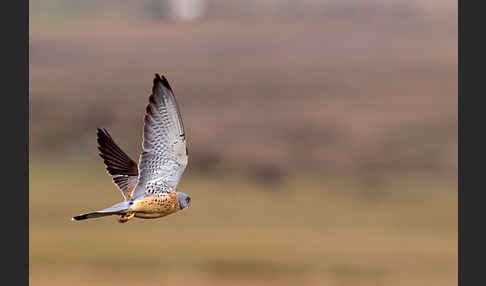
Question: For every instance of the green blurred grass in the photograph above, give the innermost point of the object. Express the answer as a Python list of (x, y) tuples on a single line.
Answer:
[(310, 231)]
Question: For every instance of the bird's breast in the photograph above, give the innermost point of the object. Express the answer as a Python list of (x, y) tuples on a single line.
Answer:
[(156, 206)]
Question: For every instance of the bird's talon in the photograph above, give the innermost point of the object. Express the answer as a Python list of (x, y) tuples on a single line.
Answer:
[(126, 217)]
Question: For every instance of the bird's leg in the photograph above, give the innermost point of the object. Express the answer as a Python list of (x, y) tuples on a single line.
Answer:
[(126, 217)]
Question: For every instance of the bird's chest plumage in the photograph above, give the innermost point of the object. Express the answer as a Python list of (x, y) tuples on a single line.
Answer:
[(156, 206)]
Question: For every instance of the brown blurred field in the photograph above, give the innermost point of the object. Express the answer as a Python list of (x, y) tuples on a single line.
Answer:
[(306, 232), (322, 142)]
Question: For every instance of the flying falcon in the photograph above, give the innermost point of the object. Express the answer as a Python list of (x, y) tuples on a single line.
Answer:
[(149, 189)]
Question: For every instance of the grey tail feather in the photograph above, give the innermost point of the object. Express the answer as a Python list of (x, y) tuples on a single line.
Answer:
[(119, 208)]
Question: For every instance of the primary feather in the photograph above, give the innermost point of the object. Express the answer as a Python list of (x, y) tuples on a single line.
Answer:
[(118, 164), (164, 155)]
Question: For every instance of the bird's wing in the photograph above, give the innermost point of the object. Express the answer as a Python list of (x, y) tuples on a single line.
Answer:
[(164, 155), (123, 169)]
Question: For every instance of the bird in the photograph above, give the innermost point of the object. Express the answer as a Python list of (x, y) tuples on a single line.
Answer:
[(149, 188)]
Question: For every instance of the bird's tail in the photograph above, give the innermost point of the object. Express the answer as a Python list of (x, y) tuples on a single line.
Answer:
[(119, 208)]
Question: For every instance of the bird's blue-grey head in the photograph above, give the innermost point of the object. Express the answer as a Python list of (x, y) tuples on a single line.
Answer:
[(184, 200)]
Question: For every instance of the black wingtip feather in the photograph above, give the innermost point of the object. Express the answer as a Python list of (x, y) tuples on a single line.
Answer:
[(152, 99), (162, 80), (117, 162), (148, 109)]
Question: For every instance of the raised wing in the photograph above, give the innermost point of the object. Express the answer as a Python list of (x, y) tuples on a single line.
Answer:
[(123, 169), (164, 155)]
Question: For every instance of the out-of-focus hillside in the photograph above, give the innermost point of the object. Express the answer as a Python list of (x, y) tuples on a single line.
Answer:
[(333, 87)]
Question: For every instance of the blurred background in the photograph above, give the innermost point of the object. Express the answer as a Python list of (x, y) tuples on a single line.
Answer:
[(322, 141)]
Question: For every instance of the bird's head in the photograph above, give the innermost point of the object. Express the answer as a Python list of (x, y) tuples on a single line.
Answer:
[(184, 200)]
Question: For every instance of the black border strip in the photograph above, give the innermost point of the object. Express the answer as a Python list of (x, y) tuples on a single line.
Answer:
[(15, 152), (472, 155)]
